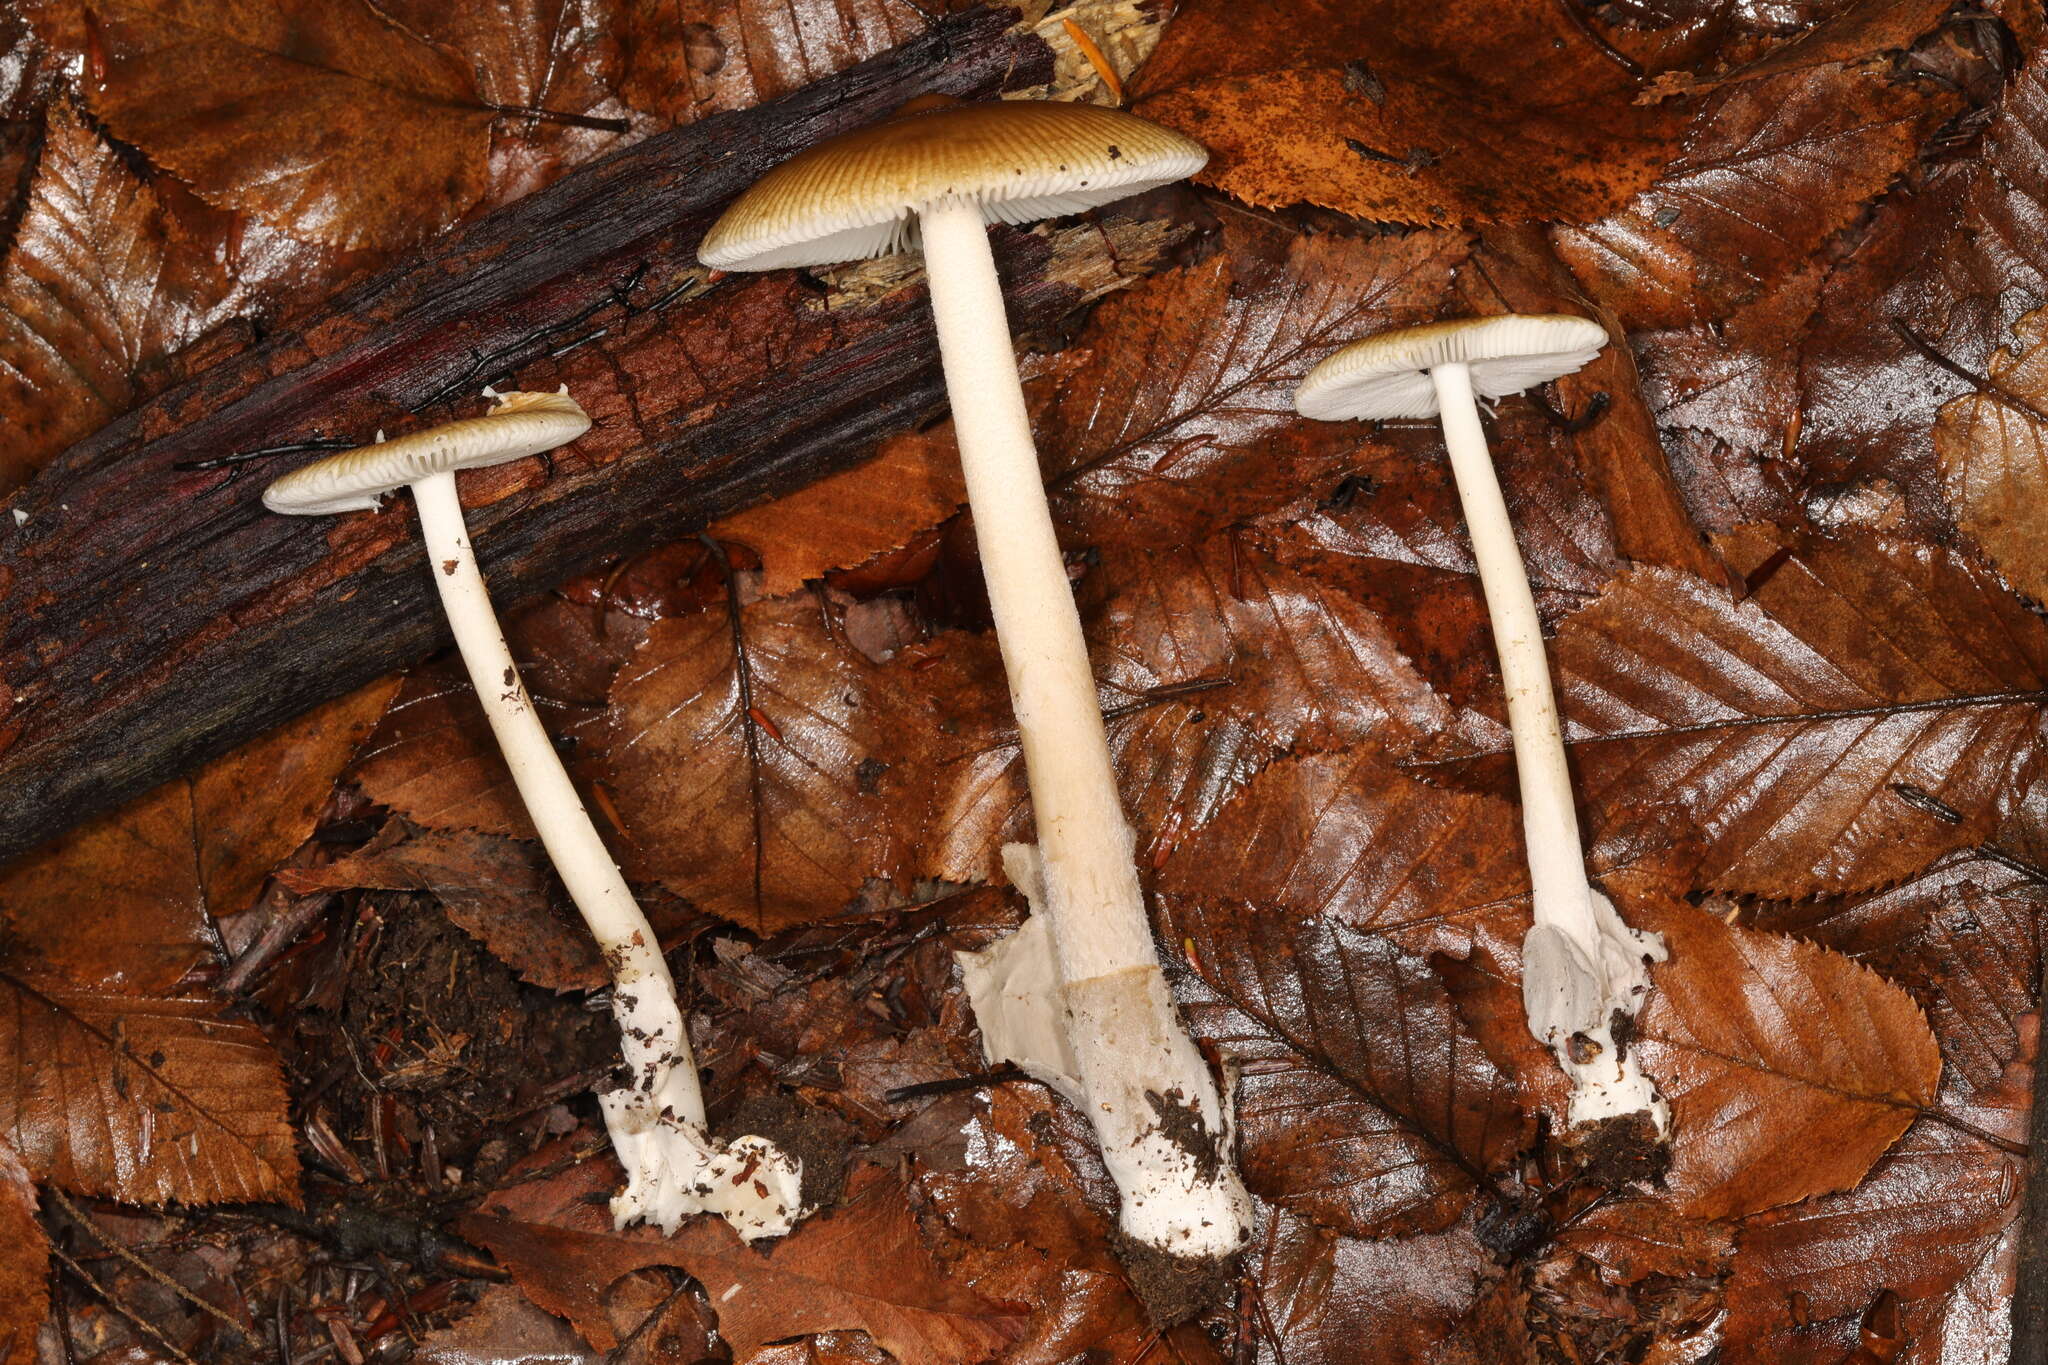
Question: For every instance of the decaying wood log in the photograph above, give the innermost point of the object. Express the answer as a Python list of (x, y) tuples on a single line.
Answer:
[(152, 616)]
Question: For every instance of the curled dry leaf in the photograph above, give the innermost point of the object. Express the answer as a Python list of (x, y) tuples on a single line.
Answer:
[(158, 871), (24, 1262), (1464, 112), (147, 1101), (1364, 1104), (1784, 723), (1993, 449), (748, 754), (102, 284), (1759, 1042), (319, 116), (863, 1266)]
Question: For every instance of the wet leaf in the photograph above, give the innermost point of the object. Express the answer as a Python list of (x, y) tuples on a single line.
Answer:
[(912, 484), (1785, 722), (148, 1101), (126, 902), (1347, 837), (24, 1261), (686, 59), (1994, 463), (1364, 1104), (1458, 113), (1184, 421), (1321, 1295), (748, 758), (102, 284), (319, 116), (859, 1266), (1759, 1041), (1770, 170)]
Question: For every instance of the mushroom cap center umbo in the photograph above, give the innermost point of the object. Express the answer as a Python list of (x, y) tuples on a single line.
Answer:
[(521, 424), (857, 195), (1387, 376)]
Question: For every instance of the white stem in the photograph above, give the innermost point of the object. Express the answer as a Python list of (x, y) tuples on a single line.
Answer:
[(644, 998), (1550, 823), (1127, 1038), (1580, 963)]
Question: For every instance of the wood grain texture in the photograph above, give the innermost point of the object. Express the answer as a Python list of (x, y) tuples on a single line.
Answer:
[(152, 617)]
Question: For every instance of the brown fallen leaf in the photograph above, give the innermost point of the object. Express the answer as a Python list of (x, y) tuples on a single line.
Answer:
[(1771, 168), (862, 1266), (1849, 33), (102, 283), (1320, 1297), (1759, 1042), (1183, 420), (748, 754), (1464, 112), (686, 59), (1364, 1104), (498, 890), (314, 115), (1994, 461), (433, 760), (1785, 723), (24, 1262), (160, 870), (147, 1101), (913, 483), (1345, 836)]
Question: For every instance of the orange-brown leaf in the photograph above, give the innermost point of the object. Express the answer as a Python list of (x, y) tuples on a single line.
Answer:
[(861, 1266), (124, 902), (1762, 1042), (1365, 1106), (1461, 112), (313, 115), (147, 1101), (24, 1262), (1993, 450)]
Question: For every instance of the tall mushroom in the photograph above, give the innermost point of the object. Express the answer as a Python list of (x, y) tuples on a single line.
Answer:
[(1583, 970), (1111, 1039), (673, 1167)]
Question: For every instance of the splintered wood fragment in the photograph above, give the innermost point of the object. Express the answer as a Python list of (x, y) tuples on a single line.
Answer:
[(152, 614)]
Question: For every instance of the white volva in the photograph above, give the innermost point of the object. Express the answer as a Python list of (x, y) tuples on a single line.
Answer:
[(673, 1168), (1580, 963)]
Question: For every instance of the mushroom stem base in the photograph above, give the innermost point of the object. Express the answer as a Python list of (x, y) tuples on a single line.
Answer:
[(675, 1170)]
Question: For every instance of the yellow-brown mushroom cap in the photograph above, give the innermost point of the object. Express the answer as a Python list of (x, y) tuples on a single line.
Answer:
[(857, 195), (1387, 376), (521, 424)]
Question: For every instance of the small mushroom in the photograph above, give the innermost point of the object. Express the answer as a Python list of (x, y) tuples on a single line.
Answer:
[(673, 1167), (1103, 1029), (1582, 967)]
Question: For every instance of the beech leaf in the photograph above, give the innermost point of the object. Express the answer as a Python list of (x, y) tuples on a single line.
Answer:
[(102, 284), (319, 116), (1364, 1104), (24, 1261), (1759, 1042), (748, 756), (1465, 112), (147, 1101), (862, 1265), (158, 871), (1786, 723), (1994, 460)]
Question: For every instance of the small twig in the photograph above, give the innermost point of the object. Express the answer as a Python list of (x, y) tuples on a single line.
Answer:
[(136, 1263), (602, 125), (953, 1083), (122, 1310), (654, 1315)]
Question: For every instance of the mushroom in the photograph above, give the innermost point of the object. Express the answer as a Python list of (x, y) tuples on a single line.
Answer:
[(1583, 970), (656, 1122), (1108, 1033)]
